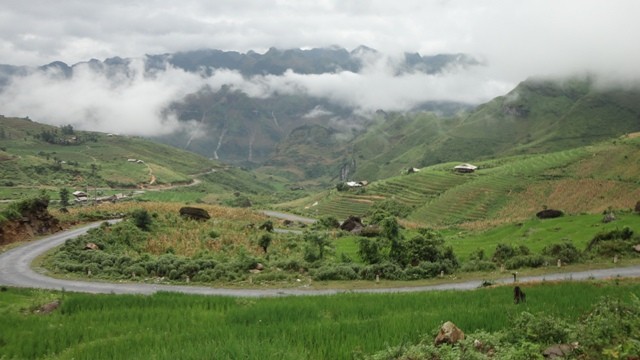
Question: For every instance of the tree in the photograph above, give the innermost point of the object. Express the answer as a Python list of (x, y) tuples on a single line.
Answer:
[(67, 129), (341, 186), (64, 197), (94, 169), (319, 240), (267, 226), (328, 222), (390, 228), (142, 219), (369, 250), (264, 241)]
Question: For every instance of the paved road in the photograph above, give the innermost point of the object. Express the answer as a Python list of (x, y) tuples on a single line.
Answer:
[(290, 217), (15, 270)]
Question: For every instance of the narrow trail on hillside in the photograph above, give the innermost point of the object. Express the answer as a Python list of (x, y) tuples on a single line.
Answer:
[(15, 270)]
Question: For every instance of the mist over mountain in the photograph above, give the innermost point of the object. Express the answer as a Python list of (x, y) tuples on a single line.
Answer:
[(323, 112), (237, 106)]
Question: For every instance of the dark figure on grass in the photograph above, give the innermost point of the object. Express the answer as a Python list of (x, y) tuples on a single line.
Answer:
[(519, 295)]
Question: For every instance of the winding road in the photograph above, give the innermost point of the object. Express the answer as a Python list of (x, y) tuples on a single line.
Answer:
[(15, 270)]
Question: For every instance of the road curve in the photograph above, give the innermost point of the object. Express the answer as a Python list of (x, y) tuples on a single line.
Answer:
[(15, 270)]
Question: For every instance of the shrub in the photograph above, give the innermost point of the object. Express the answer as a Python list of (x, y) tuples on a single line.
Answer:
[(566, 252), (478, 265), (541, 329), (264, 241), (328, 222), (612, 243), (385, 270), (369, 250), (625, 234), (142, 219), (371, 231), (392, 207), (532, 261), (610, 325), (331, 272), (504, 252)]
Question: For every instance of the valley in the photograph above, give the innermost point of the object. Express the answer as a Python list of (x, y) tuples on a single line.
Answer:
[(379, 213)]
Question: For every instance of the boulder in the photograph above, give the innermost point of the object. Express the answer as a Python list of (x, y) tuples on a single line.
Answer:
[(50, 307), (549, 214), (449, 334), (195, 213), (352, 224), (637, 248), (91, 246), (559, 350), (608, 217)]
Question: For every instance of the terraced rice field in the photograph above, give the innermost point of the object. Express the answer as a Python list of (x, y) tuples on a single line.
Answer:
[(341, 205), (486, 191), (442, 197)]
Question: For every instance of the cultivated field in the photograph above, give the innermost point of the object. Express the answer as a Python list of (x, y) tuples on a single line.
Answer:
[(169, 326)]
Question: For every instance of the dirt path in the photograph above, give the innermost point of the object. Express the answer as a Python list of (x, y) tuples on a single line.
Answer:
[(15, 270)]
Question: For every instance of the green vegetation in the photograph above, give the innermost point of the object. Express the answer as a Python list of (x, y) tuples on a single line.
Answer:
[(536, 235), (98, 160), (156, 244), (504, 190), (166, 325)]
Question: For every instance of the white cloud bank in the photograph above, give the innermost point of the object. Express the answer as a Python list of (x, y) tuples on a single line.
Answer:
[(516, 40), (135, 103)]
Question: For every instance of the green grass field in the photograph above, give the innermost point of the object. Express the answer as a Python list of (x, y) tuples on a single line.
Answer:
[(536, 234), (169, 326)]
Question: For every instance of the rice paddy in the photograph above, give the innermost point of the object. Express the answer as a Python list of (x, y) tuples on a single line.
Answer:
[(169, 326)]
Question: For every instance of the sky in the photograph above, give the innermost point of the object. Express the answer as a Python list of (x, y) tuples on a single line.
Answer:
[(514, 40)]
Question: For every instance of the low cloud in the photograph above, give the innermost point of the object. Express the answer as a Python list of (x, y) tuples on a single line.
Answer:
[(132, 102)]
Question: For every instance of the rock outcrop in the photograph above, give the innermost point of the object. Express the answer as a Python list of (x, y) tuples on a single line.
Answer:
[(449, 334), (195, 213), (32, 218)]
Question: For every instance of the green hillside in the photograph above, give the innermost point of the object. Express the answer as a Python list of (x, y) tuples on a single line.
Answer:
[(538, 116), (34, 157), (587, 179)]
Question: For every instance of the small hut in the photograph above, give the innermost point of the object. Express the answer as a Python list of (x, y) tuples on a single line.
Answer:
[(465, 168)]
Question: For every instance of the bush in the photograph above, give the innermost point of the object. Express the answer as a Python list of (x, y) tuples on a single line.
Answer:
[(566, 252), (505, 252), (478, 265), (385, 270), (392, 207), (625, 234), (142, 219), (611, 324), (339, 272), (327, 222), (531, 261), (369, 250), (541, 329)]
